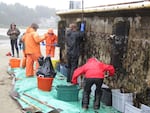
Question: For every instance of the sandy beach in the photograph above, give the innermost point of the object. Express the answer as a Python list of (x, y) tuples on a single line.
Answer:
[(8, 105)]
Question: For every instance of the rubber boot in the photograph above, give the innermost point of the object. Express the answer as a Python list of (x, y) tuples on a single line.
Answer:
[(97, 98), (12, 53), (17, 55), (85, 100)]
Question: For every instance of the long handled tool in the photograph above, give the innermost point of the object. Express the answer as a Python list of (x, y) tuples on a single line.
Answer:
[(29, 103), (56, 110), (15, 95)]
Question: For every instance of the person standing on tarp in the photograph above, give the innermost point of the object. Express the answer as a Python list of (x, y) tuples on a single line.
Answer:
[(13, 34), (32, 41), (51, 42), (73, 40), (94, 73)]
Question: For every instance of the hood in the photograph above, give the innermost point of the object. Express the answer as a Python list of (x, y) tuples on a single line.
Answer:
[(50, 31), (34, 26), (29, 30)]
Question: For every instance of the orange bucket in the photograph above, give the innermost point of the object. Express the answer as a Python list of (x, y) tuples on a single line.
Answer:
[(44, 83), (14, 63)]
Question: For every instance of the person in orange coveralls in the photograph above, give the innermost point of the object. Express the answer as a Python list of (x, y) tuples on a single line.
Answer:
[(51, 42), (32, 41), (94, 73)]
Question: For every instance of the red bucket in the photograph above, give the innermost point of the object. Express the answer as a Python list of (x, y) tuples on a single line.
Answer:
[(44, 83)]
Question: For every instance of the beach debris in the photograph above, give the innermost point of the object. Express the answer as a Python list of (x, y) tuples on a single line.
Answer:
[(8, 54)]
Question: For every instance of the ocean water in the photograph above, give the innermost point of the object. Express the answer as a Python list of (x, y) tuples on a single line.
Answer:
[(3, 31)]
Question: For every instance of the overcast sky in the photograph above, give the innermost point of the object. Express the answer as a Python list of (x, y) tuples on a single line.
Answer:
[(61, 4)]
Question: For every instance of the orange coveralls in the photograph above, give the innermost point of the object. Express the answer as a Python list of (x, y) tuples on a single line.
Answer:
[(32, 50), (51, 39)]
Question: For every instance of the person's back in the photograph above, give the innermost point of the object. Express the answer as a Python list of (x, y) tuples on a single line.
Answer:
[(32, 48), (73, 40), (72, 47), (96, 69), (32, 43), (94, 73)]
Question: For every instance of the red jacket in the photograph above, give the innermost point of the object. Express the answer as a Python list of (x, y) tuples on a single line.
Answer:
[(93, 69)]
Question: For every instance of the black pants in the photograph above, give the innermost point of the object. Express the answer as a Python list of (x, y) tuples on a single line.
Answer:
[(88, 82), (72, 65), (14, 44)]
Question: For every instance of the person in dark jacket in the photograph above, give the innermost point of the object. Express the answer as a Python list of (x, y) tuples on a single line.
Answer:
[(73, 38), (13, 33), (94, 73)]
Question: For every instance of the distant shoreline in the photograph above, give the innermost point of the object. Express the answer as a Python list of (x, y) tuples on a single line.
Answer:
[(3, 32), (2, 37)]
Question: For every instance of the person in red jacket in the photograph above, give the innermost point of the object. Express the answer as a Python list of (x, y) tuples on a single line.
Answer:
[(94, 73)]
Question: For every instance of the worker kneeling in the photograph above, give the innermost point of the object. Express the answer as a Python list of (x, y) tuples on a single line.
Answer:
[(94, 73)]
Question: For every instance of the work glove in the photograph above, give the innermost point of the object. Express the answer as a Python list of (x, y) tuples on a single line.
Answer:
[(55, 44), (106, 74), (82, 27), (43, 43), (73, 83)]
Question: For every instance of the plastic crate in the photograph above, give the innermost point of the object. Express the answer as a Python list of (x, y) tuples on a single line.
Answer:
[(67, 93), (119, 99), (145, 109), (129, 108)]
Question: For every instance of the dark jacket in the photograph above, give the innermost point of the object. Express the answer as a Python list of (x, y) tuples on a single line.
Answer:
[(73, 40), (13, 33)]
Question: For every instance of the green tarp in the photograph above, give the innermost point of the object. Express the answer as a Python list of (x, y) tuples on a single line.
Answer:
[(28, 86)]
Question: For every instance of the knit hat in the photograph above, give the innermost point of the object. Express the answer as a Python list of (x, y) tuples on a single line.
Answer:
[(34, 25)]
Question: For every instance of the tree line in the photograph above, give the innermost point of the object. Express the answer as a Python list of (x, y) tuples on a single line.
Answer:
[(23, 15)]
